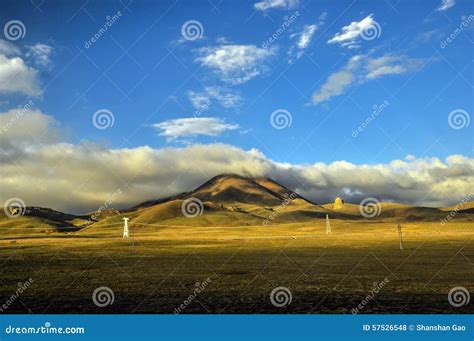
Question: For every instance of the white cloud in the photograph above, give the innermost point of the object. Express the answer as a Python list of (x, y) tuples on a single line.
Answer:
[(235, 64), (8, 49), (193, 126), (17, 77), (446, 4), (306, 35), (200, 100), (78, 178), (40, 53), (26, 126), (335, 85), (269, 4), (390, 65), (362, 68), (225, 97), (349, 35), (303, 41)]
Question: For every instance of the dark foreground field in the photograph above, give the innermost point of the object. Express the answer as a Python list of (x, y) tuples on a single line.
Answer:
[(237, 269)]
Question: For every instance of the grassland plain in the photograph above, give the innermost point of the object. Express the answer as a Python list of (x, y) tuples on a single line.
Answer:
[(243, 264)]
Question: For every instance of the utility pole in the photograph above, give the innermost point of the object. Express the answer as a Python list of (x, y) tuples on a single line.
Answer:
[(328, 225), (400, 236), (126, 231)]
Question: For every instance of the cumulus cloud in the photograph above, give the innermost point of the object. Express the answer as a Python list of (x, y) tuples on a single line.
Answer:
[(17, 77), (269, 4), (445, 5), (78, 178), (349, 35), (235, 64), (225, 97), (40, 54), (363, 68), (193, 126)]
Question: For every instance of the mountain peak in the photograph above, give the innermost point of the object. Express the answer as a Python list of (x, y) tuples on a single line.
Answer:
[(234, 188), (225, 188)]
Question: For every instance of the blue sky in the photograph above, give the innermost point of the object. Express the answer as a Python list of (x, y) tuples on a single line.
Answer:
[(142, 70), (364, 82)]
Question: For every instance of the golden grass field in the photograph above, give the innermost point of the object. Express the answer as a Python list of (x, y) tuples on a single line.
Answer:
[(325, 273), (247, 237)]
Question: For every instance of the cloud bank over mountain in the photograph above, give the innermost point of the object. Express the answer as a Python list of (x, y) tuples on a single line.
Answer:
[(39, 167)]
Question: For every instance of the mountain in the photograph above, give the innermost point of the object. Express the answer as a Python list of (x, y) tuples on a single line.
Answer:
[(232, 188), (224, 200), (41, 220)]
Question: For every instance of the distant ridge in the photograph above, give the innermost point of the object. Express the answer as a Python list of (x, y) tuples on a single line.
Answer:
[(228, 200)]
